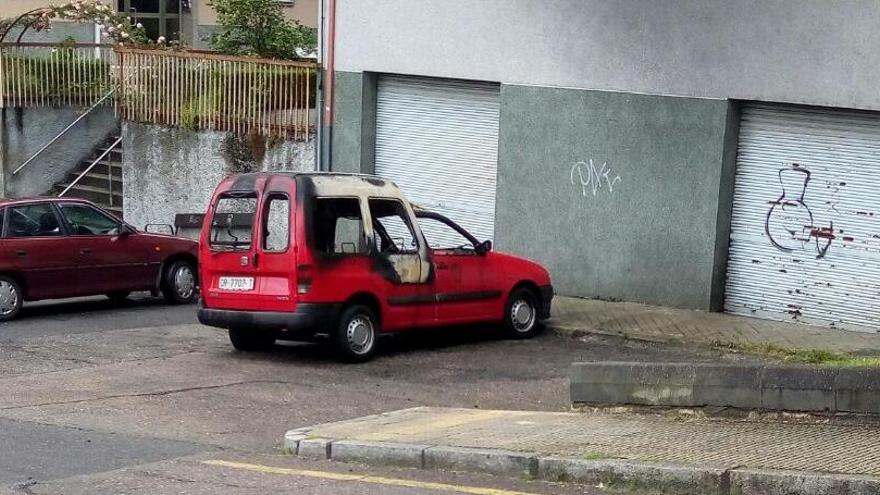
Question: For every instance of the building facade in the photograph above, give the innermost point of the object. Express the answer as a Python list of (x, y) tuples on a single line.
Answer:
[(190, 21), (693, 153)]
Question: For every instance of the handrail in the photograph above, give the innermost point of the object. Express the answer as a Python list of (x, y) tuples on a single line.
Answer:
[(56, 138), (90, 167)]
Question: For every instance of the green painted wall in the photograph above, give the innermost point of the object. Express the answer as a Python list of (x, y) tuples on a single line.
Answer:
[(354, 122), (647, 221)]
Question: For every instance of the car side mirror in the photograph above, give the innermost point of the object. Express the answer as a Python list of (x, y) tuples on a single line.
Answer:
[(125, 230), (484, 247)]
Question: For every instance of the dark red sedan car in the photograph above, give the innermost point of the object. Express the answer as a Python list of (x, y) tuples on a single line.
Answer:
[(54, 248)]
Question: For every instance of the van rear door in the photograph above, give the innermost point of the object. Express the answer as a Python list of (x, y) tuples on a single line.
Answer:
[(276, 250), (248, 249), (229, 274)]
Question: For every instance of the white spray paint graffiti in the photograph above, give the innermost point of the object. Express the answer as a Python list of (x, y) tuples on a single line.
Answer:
[(593, 179)]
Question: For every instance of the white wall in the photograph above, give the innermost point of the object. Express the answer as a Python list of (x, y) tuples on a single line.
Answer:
[(800, 51)]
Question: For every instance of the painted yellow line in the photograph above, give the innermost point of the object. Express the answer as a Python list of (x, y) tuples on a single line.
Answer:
[(364, 478)]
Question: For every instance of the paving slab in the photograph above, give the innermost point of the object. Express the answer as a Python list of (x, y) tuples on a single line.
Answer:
[(662, 324), (629, 448)]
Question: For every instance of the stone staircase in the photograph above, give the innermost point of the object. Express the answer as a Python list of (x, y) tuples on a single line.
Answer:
[(103, 183)]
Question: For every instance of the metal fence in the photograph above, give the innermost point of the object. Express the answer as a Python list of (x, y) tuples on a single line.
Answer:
[(194, 90), (44, 74), (210, 91)]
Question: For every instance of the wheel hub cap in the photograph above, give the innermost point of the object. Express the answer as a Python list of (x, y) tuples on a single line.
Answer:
[(8, 298), (360, 335), (185, 282), (523, 316)]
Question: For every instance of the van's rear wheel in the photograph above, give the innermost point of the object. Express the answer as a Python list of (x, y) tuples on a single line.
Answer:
[(248, 339), (357, 334)]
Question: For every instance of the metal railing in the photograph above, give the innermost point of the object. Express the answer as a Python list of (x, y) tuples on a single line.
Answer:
[(89, 169), (198, 90), (194, 90), (47, 74), (63, 132)]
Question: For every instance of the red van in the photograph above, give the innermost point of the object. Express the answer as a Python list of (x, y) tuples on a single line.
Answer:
[(291, 256)]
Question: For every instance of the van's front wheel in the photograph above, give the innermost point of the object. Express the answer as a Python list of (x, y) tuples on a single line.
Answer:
[(248, 339), (357, 334)]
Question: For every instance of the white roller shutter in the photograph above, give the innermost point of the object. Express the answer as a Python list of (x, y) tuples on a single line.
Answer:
[(438, 140), (811, 253)]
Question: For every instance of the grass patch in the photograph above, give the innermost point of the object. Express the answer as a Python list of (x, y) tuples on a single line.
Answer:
[(800, 356)]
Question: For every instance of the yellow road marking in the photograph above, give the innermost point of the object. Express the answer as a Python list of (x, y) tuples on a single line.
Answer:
[(363, 478)]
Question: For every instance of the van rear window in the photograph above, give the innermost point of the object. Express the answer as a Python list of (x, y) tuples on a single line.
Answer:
[(233, 224)]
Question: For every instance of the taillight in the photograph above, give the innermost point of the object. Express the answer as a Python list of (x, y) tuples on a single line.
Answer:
[(303, 278)]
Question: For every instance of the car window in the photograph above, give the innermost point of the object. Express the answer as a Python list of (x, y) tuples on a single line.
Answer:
[(233, 222), (391, 226), (33, 221), (276, 224), (85, 220), (441, 236), (338, 226)]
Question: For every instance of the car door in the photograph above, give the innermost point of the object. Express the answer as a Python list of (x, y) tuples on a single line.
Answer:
[(399, 255), (40, 250), (110, 258), (464, 285)]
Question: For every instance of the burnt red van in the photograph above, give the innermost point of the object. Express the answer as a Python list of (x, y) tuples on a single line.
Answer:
[(290, 256)]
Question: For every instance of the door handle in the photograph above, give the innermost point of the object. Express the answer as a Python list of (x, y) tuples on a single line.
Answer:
[(85, 251), (21, 253)]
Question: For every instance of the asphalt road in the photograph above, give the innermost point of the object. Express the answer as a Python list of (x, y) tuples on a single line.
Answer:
[(138, 398)]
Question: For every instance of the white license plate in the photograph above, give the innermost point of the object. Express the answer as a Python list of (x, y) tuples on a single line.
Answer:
[(237, 283)]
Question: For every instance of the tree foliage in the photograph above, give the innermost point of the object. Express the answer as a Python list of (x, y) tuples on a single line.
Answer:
[(258, 27)]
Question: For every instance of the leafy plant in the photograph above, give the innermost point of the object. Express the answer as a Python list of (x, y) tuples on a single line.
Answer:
[(258, 27), (115, 26)]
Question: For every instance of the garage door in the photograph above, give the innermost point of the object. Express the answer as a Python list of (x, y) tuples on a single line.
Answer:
[(805, 237), (438, 140)]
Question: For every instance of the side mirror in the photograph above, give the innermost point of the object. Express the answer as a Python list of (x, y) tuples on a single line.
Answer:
[(484, 247), (125, 230)]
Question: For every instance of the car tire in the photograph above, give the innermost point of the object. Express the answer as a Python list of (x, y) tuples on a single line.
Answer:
[(357, 334), (119, 296), (521, 315), (249, 340), (11, 297), (179, 283)]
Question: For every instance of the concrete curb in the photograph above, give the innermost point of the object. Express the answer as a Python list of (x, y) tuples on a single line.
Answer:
[(629, 475), (740, 385)]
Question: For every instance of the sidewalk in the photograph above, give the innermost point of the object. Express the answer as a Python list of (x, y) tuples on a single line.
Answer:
[(673, 454), (661, 324)]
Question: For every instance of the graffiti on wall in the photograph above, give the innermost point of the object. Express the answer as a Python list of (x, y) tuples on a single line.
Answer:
[(789, 223), (592, 178)]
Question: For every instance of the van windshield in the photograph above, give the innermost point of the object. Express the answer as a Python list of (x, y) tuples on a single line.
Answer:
[(233, 223)]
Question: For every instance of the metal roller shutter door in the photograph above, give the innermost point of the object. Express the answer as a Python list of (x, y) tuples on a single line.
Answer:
[(805, 232), (438, 140)]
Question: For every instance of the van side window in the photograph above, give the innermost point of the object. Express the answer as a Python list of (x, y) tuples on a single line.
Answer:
[(338, 226), (233, 222), (276, 224), (391, 226)]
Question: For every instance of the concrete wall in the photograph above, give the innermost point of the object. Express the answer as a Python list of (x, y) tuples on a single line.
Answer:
[(170, 170), (304, 11), (25, 131), (354, 123), (618, 195), (810, 51)]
